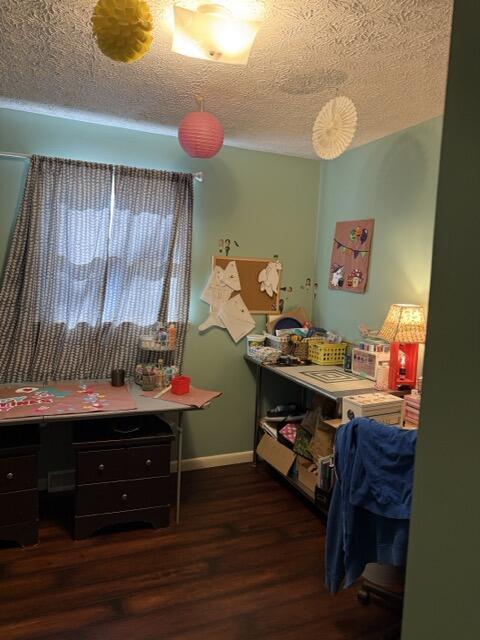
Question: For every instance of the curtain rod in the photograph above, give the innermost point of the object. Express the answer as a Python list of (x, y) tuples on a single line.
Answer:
[(198, 175)]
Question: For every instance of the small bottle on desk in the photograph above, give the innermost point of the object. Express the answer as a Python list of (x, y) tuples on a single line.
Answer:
[(172, 336)]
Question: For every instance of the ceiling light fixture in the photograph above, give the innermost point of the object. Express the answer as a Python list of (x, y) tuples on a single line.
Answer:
[(213, 33)]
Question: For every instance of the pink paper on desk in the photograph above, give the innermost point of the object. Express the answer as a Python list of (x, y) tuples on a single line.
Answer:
[(194, 398), (63, 398)]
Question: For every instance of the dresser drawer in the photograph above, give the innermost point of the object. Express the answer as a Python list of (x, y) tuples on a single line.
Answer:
[(101, 466), (18, 506), (18, 473), (146, 462), (122, 496)]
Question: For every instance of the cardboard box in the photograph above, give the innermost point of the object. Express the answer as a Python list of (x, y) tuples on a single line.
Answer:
[(307, 475), (321, 444), (276, 454)]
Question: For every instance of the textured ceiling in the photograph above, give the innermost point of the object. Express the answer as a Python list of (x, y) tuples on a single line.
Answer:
[(389, 56)]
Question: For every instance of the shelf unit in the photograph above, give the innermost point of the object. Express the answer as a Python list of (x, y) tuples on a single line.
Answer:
[(304, 387), (322, 498)]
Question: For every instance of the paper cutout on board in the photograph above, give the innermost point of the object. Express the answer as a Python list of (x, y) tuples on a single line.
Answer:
[(269, 278), (225, 281), (229, 275), (218, 280), (220, 286), (236, 318)]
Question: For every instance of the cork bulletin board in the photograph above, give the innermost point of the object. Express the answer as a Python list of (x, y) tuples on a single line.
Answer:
[(257, 301)]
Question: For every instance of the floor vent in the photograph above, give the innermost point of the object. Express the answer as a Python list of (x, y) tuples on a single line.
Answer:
[(61, 481)]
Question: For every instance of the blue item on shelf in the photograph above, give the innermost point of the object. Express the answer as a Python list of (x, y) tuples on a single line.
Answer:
[(287, 323)]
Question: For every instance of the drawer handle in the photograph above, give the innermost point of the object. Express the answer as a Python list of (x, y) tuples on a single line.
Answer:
[(9, 476), (148, 463), (101, 467), (124, 497)]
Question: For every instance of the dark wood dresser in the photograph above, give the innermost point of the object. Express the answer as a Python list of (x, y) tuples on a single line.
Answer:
[(19, 483), (122, 472)]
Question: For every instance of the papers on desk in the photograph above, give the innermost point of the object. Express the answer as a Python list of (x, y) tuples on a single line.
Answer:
[(197, 398)]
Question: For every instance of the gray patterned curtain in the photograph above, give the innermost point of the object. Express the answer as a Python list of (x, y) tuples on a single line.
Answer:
[(98, 255)]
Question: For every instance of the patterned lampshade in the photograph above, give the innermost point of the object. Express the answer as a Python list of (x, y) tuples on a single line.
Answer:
[(404, 323)]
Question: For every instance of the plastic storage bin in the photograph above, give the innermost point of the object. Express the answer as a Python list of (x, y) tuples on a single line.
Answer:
[(254, 341), (326, 353)]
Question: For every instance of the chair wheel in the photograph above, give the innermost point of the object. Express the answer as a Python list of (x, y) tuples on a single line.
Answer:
[(363, 597)]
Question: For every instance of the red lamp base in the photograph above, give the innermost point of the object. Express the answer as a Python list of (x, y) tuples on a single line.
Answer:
[(403, 365)]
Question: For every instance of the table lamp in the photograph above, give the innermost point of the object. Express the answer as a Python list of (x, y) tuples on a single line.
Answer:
[(404, 328)]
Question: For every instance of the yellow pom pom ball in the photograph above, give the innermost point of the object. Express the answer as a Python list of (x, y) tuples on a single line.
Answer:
[(123, 29)]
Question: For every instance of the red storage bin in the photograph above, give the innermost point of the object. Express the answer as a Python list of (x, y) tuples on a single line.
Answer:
[(180, 385)]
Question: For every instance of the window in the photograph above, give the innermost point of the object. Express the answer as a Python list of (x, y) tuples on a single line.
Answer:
[(99, 254)]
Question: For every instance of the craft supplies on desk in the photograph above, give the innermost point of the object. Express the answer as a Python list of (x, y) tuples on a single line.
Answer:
[(117, 377), (365, 361), (289, 343), (384, 407), (265, 355), (325, 353), (382, 376), (163, 392), (160, 339), (280, 343), (64, 398), (163, 374), (180, 385), (254, 342)]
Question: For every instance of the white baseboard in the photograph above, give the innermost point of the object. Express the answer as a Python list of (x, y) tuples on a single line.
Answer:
[(207, 462)]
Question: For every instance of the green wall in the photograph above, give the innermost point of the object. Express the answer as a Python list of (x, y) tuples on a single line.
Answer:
[(266, 202), (442, 596), (394, 181)]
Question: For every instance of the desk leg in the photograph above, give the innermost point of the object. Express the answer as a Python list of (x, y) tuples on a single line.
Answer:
[(179, 463), (258, 410)]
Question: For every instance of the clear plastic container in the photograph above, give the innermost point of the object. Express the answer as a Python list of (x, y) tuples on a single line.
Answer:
[(381, 381)]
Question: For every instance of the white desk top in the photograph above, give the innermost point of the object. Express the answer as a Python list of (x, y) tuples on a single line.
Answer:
[(144, 405), (345, 385)]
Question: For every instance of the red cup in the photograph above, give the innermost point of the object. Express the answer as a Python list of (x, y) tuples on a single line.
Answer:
[(180, 385)]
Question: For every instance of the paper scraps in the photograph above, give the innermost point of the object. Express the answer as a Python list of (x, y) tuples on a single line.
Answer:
[(7, 404), (269, 278), (224, 313)]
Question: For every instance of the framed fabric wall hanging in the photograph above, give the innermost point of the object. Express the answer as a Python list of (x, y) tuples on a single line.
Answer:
[(351, 255)]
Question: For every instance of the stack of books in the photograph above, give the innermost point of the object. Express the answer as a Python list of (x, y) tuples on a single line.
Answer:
[(412, 408)]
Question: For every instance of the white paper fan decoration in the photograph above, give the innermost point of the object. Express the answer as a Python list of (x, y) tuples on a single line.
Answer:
[(334, 128)]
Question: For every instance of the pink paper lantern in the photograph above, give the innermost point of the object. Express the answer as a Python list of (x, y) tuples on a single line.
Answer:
[(201, 134)]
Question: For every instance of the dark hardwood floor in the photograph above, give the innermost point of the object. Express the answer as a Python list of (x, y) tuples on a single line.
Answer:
[(246, 563)]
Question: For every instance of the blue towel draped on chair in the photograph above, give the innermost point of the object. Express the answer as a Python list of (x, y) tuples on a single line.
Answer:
[(368, 520)]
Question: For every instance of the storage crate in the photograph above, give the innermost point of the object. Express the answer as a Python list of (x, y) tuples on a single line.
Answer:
[(326, 353), (282, 343), (300, 349), (365, 363)]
